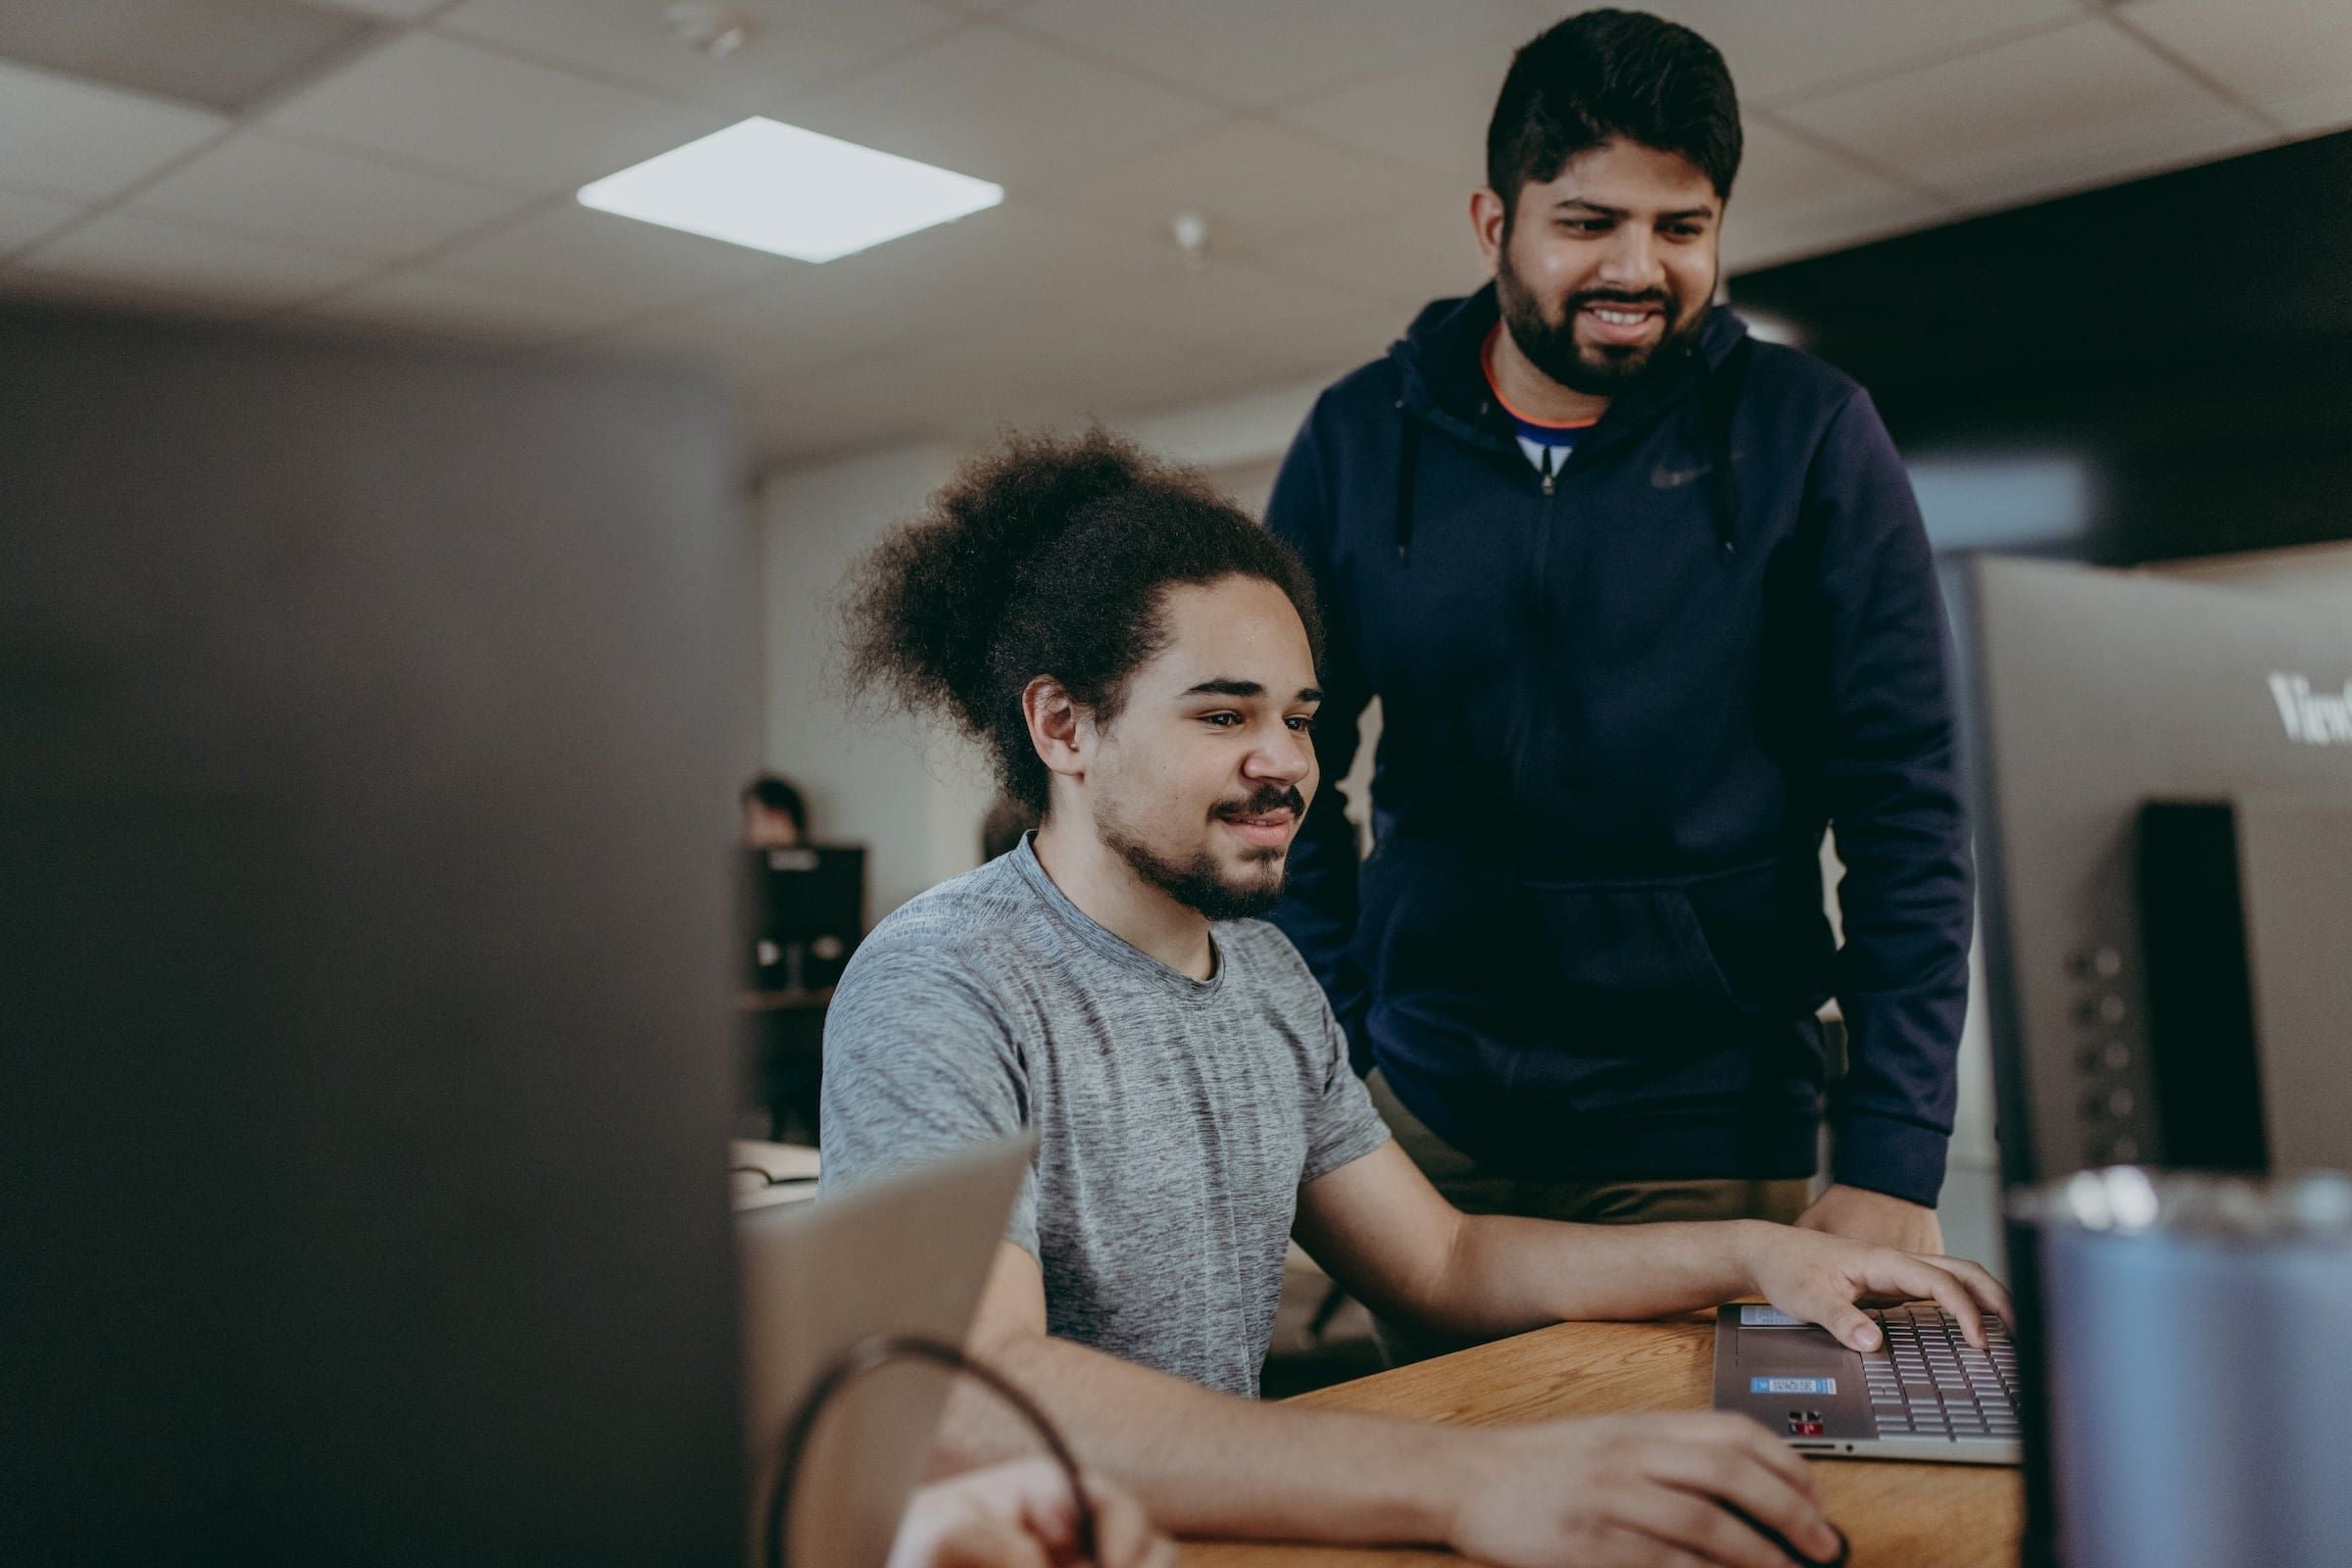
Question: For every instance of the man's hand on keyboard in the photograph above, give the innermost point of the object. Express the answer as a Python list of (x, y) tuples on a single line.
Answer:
[(1828, 1280), (1869, 1217)]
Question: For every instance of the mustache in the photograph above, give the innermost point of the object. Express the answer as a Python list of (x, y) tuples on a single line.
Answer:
[(1270, 797)]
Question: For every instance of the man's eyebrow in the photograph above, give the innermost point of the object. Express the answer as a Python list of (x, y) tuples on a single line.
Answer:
[(1228, 686), (1606, 211)]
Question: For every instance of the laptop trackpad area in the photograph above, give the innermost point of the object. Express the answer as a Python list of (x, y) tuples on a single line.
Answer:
[(1796, 1379)]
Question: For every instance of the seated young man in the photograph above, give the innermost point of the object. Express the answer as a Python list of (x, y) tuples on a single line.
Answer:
[(1140, 659)]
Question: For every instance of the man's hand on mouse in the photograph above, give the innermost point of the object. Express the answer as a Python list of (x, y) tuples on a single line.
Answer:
[(1661, 1491), (1829, 1279), (1021, 1515)]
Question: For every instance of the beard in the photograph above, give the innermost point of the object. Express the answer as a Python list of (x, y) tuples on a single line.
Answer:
[(1605, 370), (1197, 881)]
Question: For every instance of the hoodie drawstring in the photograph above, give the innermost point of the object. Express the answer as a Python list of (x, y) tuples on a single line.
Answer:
[(1408, 456), (1719, 402)]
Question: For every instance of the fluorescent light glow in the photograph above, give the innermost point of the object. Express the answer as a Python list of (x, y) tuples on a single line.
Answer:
[(776, 188)]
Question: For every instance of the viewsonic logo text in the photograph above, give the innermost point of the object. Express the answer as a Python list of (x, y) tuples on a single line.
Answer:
[(2313, 717)]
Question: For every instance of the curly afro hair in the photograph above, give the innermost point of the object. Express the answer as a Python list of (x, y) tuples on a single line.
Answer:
[(1044, 557)]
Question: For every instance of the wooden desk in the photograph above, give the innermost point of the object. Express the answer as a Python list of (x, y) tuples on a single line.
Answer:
[(1896, 1515)]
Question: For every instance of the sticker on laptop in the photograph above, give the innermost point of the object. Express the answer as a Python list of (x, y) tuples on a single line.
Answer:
[(1769, 1317), (1793, 1385)]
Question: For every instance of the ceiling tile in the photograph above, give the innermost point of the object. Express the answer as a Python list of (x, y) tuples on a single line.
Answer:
[(1036, 371), (1323, 347), (1763, 238), (216, 54), (1398, 261), (2313, 113), (2060, 169), (2293, 59), (260, 184), (1012, 261), (844, 305), (389, 10), (1250, 52), (1225, 309), (1257, 185), (602, 262), (794, 44), (1794, 199), (75, 140), (150, 253), (1782, 174), (118, 294), (434, 302), (1431, 113), (734, 336), (2079, 104), (1791, 48), (433, 103), (27, 219), (986, 103)]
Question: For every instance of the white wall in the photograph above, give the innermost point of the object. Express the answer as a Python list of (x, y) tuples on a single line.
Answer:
[(913, 794)]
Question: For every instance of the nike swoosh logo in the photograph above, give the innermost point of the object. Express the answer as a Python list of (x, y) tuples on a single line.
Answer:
[(1662, 477)]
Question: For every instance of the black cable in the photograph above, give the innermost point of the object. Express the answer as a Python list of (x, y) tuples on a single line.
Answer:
[(879, 1351)]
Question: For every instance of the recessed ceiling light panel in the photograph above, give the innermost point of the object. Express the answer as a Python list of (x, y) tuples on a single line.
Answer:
[(776, 188)]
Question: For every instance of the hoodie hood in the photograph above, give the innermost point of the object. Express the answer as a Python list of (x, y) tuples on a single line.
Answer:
[(1442, 382), (1443, 385)]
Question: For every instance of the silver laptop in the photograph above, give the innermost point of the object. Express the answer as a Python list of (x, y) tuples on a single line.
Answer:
[(1925, 1394), (907, 1256)]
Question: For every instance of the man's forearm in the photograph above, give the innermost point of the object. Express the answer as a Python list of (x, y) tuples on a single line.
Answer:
[(1210, 1464), (1506, 1274)]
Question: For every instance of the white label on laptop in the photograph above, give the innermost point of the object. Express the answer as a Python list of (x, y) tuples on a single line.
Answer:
[(1769, 1317), (1793, 1385)]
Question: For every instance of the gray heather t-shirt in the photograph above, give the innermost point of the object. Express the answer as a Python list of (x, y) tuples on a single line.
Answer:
[(1176, 1119)]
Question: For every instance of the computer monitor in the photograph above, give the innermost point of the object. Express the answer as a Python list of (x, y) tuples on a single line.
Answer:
[(366, 789), (2164, 813), (2162, 795), (807, 911)]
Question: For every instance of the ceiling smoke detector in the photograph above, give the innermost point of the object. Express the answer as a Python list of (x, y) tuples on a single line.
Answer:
[(1191, 237), (713, 31)]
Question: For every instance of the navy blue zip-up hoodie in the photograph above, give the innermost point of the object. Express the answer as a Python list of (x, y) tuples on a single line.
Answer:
[(1618, 710)]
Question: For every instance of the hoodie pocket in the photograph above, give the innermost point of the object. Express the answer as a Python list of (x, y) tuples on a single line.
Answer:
[(1619, 969), (1630, 962)]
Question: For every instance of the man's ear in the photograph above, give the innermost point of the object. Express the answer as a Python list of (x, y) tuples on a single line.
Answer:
[(1485, 222), (1058, 727)]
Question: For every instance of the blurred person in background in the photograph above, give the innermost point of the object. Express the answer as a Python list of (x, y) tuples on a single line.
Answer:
[(774, 817)]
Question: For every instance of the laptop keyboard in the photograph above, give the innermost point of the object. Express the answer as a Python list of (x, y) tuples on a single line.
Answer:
[(1928, 1381)]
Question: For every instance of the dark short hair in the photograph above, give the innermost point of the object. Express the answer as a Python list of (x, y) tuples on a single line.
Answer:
[(1045, 557), (773, 792), (1605, 75)]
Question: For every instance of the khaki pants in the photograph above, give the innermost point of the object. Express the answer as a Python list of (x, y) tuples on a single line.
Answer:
[(1474, 1188)]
